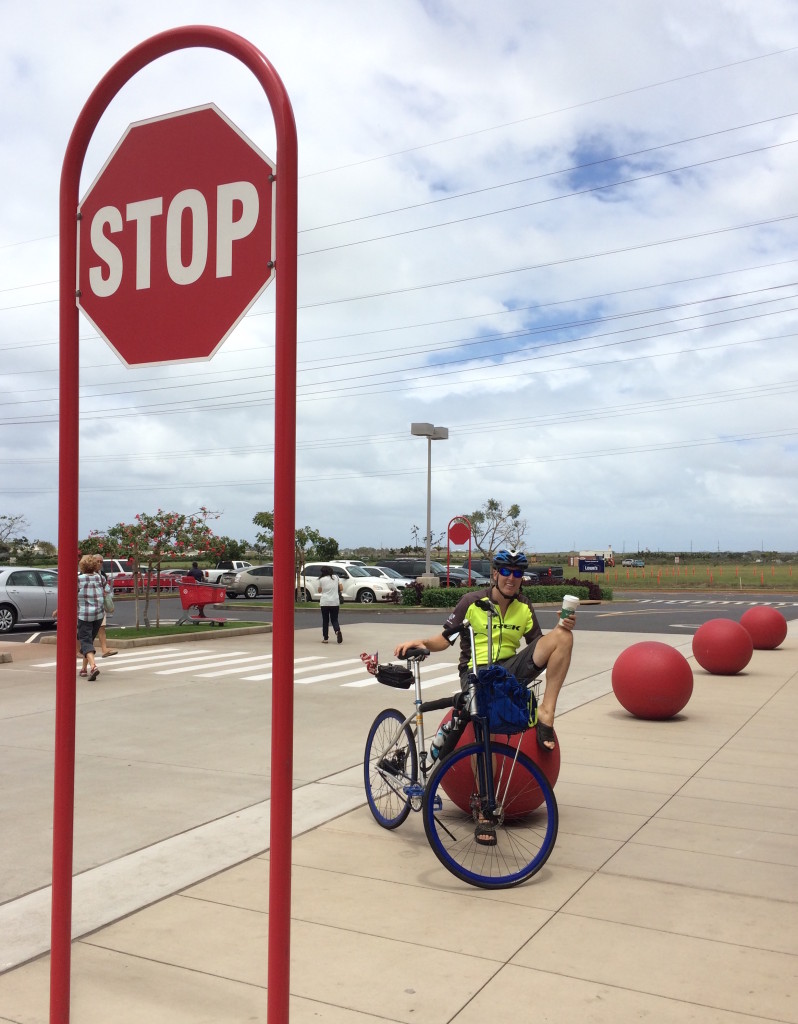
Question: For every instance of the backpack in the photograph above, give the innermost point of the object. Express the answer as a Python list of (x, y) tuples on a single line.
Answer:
[(508, 705)]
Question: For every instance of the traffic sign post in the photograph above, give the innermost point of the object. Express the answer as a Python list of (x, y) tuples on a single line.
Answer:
[(145, 253), (175, 237), (458, 532)]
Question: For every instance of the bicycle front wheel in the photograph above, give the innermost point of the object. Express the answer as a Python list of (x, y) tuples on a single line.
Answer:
[(390, 768), (491, 851)]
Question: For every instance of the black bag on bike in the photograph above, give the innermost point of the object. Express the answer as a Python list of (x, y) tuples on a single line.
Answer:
[(395, 675), (508, 705)]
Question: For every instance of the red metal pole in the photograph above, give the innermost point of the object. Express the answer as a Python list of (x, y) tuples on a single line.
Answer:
[(284, 505)]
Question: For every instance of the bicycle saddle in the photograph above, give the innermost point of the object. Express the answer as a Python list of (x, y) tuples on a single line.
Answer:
[(416, 654)]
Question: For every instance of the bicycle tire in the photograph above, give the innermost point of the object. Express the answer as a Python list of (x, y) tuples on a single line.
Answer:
[(522, 843), (390, 765)]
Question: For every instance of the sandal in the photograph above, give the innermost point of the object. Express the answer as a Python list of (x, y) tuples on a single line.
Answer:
[(545, 734), (485, 834)]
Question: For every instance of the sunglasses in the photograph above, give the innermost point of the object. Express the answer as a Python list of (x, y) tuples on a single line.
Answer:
[(517, 574)]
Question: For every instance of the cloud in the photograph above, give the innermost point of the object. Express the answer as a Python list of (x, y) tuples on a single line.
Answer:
[(620, 362)]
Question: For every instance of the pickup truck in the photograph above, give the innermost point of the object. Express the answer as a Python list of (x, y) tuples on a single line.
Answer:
[(547, 572), (229, 565)]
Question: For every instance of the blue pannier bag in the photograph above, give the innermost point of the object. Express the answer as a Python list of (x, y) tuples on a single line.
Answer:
[(507, 704)]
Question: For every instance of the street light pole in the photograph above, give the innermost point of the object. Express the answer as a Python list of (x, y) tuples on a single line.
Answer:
[(432, 433)]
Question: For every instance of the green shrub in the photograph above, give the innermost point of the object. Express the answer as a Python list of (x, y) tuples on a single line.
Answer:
[(447, 597)]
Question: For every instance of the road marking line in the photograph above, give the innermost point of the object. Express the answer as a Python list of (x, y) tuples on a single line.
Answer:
[(440, 667)]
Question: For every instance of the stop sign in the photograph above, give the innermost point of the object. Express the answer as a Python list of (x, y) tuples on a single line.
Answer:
[(175, 237)]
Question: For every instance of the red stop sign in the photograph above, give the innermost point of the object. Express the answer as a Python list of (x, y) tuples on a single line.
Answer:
[(175, 237)]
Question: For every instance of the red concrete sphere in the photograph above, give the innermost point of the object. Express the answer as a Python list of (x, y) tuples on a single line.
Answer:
[(722, 646), (652, 680), (459, 780), (766, 626)]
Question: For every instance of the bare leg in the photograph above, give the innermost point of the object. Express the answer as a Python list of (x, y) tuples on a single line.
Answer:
[(553, 651)]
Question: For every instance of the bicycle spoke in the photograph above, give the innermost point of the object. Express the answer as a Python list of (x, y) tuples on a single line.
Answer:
[(503, 850), (390, 767)]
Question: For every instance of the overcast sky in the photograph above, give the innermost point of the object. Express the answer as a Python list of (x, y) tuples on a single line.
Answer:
[(567, 232)]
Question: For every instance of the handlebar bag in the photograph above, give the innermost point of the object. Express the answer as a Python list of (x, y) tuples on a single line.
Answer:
[(395, 675), (508, 705)]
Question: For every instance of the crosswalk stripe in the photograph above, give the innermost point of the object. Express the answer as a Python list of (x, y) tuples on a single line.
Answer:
[(235, 669), (370, 680), (141, 656), (324, 676), (159, 654), (195, 661)]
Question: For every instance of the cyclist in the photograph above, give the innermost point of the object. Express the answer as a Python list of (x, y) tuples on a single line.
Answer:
[(514, 620)]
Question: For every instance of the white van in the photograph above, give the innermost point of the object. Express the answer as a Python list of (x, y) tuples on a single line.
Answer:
[(113, 567), (357, 583)]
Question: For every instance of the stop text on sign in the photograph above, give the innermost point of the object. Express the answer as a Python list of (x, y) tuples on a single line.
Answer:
[(188, 207), (175, 237)]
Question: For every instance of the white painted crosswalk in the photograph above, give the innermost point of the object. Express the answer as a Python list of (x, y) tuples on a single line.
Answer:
[(209, 664), (699, 602)]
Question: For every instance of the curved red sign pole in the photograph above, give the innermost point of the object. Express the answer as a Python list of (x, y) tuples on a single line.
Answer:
[(284, 505)]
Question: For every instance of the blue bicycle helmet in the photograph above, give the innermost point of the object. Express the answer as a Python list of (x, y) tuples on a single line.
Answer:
[(510, 559)]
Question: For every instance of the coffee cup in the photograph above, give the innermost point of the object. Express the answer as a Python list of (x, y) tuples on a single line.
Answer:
[(569, 606)]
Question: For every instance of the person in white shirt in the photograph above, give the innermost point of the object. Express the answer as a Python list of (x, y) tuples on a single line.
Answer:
[(330, 600)]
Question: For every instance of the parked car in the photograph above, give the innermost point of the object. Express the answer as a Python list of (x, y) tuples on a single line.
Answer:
[(480, 565), (628, 563), (382, 572), (412, 568), (358, 584), (226, 565), (27, 595), (123, 582), (638, 563), (113, 567), (249, 582), (461, 578)]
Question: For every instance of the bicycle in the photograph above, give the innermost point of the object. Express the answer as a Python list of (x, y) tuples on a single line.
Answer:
[(490, 814)]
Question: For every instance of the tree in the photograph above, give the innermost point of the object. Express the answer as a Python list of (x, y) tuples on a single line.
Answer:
[(309, 544), (230, 548), (264, 541), (495, 526), (10, 528), (154, 539)]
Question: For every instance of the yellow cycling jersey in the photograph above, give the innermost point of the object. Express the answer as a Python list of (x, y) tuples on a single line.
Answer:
[(518, 623)]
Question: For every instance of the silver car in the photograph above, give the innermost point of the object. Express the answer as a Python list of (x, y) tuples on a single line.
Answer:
[(249, 582), (27, 595)]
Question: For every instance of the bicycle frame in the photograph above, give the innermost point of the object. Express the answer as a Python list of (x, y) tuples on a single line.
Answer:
[(489, 812), (486, 784)]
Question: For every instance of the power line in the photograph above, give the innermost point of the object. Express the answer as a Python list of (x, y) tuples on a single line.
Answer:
[(553, 112)]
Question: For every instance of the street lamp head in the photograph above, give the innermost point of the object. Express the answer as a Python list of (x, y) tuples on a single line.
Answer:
[(429, 430)]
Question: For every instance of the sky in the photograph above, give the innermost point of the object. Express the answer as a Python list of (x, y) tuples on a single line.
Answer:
[(565, 232)]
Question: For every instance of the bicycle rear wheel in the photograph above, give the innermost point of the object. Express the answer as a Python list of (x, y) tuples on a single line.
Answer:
[(517, 842), (390, 766)]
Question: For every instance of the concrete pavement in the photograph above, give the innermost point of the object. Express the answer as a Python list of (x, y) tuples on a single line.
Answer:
[(670, 895)]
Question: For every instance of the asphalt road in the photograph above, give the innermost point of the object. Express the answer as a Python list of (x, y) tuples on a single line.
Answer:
[(640, 612)]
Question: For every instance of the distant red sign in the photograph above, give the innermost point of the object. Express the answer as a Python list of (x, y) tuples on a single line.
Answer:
[(175, 239), (459, 533)]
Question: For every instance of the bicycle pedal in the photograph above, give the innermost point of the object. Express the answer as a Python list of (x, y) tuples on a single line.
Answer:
[(414, 791), (437, 804)]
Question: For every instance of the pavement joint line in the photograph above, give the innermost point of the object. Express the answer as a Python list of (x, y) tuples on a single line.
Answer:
[(123, 886), (111, 891)]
